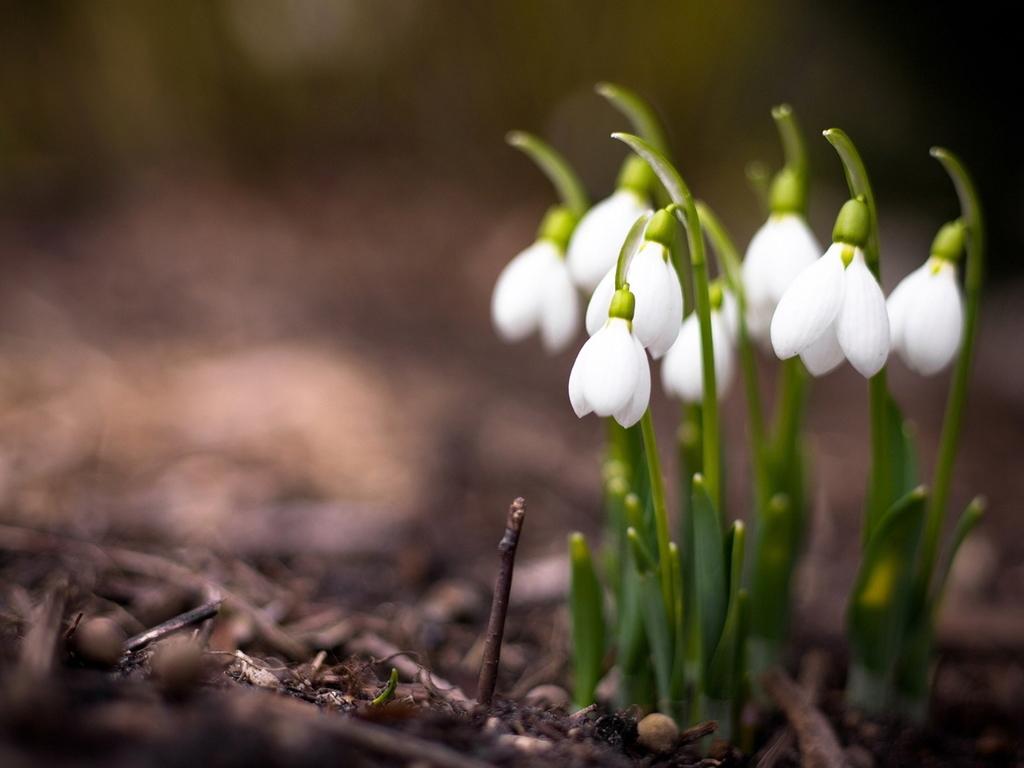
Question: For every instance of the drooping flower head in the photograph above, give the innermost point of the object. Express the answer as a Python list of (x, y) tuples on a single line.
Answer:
[(926, 311), (534, 291), (835, 307), (611, 375), (682, 371), (594, 246), (655, 283)]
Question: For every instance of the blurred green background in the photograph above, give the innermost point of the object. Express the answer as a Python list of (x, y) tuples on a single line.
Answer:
[(96, 94)]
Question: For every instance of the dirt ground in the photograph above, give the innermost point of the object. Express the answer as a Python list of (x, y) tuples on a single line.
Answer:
[(294, 403)]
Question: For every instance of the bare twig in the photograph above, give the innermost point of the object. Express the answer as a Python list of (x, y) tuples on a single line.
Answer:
[(499, 604), (813, 669), (381, 650), (179, 622), (15, 538), (815, 737), (697, 732)]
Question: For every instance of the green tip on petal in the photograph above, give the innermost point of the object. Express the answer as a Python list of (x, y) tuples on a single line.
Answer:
[(623, 304), (557, 226), (853, 224), (788, 192), (662, 226), (949, 242)]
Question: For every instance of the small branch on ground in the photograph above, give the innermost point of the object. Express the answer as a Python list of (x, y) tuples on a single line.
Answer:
[(818, 744), (499, 604), (697, 732), (172, 625), (813, 670), (24, 539)]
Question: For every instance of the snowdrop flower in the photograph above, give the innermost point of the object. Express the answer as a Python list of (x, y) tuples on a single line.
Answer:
[(926, 311), (682, 372), (654, 282), (611, 375), (835, 307), (780, 250), (534, 291), (595, 244)]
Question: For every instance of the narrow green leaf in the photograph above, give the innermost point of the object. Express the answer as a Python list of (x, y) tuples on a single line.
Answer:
[(587, 612), (641, 556), (901, 455), (388, 691), (554, 165), (967, 522), (878, 613), (770, 583), (659, 636), (709, 571), (721, 679)]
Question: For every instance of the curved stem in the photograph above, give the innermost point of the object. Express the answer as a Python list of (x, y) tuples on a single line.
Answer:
[(729, 263), (686, 210), (881, 494), (632, 244), (793, 145), (971, 214), (638, 111), (551, 162), (660, 510), (758, 178)]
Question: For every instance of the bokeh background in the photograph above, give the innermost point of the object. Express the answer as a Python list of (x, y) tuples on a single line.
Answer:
[(247, 249)]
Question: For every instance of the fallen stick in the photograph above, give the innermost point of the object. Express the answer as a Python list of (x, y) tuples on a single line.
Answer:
[(25, 539), (813, 668), (499, 603), (39, 647), (818, 744), (172, 625)]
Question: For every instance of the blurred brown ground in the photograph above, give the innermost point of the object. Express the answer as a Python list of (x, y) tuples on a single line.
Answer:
[(247, 259)]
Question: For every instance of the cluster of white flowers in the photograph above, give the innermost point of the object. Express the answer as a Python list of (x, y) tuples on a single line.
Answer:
[(823, 307)]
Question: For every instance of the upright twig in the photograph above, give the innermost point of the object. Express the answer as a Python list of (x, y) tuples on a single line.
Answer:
[(499, 604)]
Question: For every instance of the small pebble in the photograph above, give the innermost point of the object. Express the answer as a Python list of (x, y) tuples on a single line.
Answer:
[(99, 641), (548, 696), (495, 725), (176, 666), (657, 733)]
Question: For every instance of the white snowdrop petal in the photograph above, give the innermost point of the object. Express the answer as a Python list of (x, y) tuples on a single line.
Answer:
[(862, 325), (638, 403), (757, 263), (934, 321), (560, 314), (600, 303), (681, 370), (730, 314), (896, 304), (798, 248), (651, 285), (596, 241), (824, 354), (759, 320), (670, 315), (724, 354), (611, 373), (809, 305), (516, 301), (576, 396)]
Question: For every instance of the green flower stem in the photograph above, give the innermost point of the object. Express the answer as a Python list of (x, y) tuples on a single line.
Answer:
[(638, 111), (787, 420), (729, 261), (686, 210), (660, 510), (758, 178), (881, 491), (551, 162), (971, 216), (634, 240), (793, 145)]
